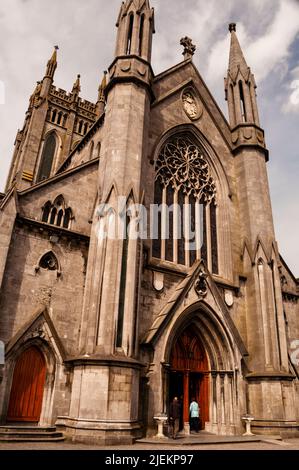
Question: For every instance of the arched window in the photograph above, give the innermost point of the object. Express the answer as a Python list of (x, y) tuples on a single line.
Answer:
[(141, 30), (242, 102), (49, 262), (59, 217), (54, 113), (57, 213), (130, 34), (64, 120), (67, 218), (59, 119), (123, 283), (53, 216), (98, 152), (91, 148), (185, 200), (80, 127), (47, 158), (49, 114), (46, 211)]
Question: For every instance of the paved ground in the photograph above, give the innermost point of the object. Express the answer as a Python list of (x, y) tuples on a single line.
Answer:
[(287, 444)]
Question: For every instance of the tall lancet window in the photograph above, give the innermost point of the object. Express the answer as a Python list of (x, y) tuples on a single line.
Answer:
[(130, 34), (141, 30), (242, 102), (123, 283), (185, 196), (47, 158)]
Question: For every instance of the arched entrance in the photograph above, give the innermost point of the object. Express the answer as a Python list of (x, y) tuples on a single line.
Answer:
[(27, 389), (189, 375)]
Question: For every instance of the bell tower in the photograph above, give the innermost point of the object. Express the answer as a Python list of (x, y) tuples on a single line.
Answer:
[(109, 325), (266, 335), (109, 318)]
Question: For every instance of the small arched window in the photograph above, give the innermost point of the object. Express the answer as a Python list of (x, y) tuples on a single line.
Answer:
[(53, 216), (47, 157), (91, 148), (49, 262), (49, 114), (59, 217), (67, 218), (57, 213), (80, 127), (130, 34), (98, 152), (54, 113), (46, 211), (242, 102), (123, 284), (85, 127), (141, 30), (59, 119)]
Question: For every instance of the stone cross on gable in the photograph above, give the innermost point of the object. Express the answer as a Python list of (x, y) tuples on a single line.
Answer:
[(189, 47)]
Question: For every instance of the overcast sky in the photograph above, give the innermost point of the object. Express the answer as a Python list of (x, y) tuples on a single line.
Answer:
[(85, 32)]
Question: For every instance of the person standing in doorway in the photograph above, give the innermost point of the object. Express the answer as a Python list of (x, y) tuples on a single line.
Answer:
[(194, 415), (174, 417)]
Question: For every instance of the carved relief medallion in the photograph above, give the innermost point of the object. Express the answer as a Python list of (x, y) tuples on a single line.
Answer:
[(191, 105)]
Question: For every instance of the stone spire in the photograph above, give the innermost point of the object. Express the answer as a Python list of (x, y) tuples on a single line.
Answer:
[(52, 64), (236, 57), (101, 95), (49, 76), (240, 86), (77, 86)]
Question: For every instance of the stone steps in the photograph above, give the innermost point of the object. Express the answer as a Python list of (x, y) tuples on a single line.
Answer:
[(25, 433)]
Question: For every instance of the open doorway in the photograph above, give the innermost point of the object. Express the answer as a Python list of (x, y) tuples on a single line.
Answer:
[(189, 376)]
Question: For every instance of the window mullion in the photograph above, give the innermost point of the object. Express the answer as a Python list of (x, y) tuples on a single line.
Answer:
[(176, 226), (208, 231), (163, 224)]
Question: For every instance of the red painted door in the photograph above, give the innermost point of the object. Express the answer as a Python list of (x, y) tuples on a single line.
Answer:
[(188, 357), (27, 389)]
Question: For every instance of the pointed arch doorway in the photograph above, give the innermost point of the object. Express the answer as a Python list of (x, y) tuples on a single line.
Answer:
[(27, 388), (189, 376)]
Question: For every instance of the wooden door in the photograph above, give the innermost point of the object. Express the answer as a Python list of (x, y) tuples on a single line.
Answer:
[(27, 389), (188, 356)]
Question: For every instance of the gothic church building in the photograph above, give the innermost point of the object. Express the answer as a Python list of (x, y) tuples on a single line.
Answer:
[(101, 332)]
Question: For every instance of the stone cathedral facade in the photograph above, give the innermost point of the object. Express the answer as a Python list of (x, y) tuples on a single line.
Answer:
[(101, 332)]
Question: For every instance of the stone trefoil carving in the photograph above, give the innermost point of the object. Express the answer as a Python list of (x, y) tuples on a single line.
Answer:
[(182, 165), (201, 287)]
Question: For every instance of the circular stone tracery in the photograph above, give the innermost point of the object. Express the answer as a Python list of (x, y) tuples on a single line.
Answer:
[(182, 165)]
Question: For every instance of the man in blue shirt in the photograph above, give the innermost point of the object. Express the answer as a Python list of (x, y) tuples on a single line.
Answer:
[(194, 415)]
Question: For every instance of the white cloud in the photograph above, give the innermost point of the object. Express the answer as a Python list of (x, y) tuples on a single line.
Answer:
[(292, 103), (272, 48), (267, 51)]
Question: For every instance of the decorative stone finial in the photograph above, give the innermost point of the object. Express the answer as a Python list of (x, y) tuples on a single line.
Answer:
[(232, 27), (77, 86), (189, 47)]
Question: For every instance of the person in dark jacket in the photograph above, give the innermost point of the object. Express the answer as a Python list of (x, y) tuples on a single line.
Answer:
[(174, 417)]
